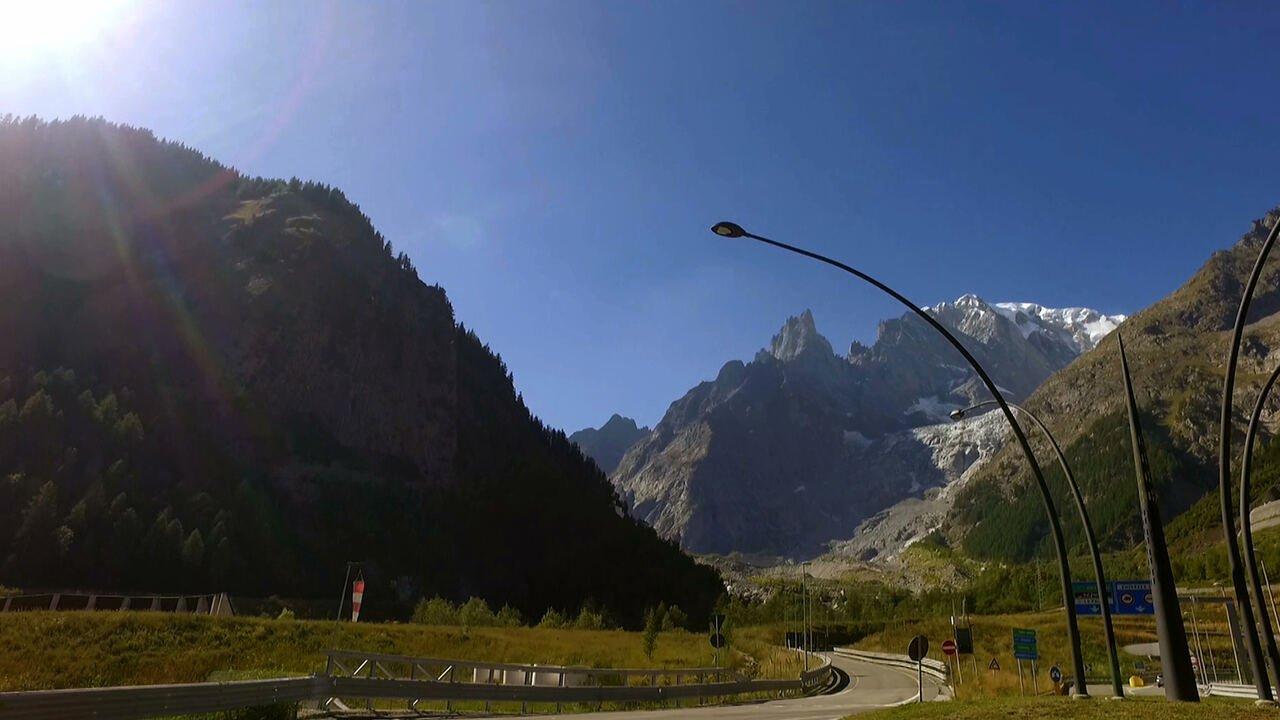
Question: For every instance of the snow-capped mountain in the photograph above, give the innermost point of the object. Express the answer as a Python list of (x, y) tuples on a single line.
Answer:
[(793, 450), (1084, 328)]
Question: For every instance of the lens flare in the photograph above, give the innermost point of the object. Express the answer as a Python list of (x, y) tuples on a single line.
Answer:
[(30, 27)]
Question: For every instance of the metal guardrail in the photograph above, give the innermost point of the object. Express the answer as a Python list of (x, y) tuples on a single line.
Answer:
[(207, 604), (935, 669), (1231, 690), (149, 701)]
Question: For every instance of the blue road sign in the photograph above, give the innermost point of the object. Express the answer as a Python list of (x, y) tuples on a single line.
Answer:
[(1087, 598), (1025, 646), (1132, 597)]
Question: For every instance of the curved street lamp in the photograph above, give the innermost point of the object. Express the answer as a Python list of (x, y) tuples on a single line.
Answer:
[(1246, 524), (1248, 626), (732, 230), (1117, 686)]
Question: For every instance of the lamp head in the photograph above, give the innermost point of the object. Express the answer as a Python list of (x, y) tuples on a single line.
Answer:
[(957, 414), (728, 229)]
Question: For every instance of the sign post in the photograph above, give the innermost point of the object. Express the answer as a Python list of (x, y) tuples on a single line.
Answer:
[(917, 651), (716, 637), (949, 649)]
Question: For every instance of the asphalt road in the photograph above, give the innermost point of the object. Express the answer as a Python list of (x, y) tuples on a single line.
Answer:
[(870, 687)]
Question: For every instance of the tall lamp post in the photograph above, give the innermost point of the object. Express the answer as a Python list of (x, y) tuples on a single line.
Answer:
[(1248, 626), (1246, 524), (732, 230), (1117, 685)]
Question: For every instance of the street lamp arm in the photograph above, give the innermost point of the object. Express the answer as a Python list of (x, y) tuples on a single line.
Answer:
[(1246, 525), (732, 230), (1104, 607)]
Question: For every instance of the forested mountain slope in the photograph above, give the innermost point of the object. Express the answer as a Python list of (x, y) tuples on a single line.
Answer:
[(215, 382), (1177, 351)]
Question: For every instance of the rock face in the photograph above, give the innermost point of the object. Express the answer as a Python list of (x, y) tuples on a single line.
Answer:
[(794, 449), (607, 444)]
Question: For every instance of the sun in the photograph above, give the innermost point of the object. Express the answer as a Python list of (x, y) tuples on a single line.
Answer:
[(30, 27)]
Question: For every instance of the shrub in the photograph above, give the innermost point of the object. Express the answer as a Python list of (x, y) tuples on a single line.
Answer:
[(553, 619), (588, 620), (476, 613), (509, 617), (286, 614), (676, 619), (653, 619), (436, 611)]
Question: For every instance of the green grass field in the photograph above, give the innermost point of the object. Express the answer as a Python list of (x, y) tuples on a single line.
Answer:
[(992, 637), (1055, 708), (42, 650)]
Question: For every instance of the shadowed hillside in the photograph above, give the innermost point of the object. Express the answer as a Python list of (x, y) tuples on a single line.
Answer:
[(215, 382)]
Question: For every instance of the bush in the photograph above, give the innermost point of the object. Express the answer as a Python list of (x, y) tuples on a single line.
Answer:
[(553, 619), (286, 614), (588, 620), (653, 620), (509, 617), (476, 613), (436, 611), (676, 619)]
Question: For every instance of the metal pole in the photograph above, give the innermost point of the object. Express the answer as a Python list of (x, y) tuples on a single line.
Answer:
[(342, 597), (1270, 595), (804, 612), (1248, 626), (1175, 657), (920, 677), (1059, 542), (1117, 685), (1246, 527), (1195, 631)]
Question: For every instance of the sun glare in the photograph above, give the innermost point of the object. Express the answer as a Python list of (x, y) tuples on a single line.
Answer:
[(34, 27)]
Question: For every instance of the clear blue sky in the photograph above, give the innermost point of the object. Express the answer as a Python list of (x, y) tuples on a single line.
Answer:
[(555, 165)]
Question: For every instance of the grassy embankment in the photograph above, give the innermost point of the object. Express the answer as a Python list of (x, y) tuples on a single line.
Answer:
[(81, 649), (993, 639), (1062, 709)]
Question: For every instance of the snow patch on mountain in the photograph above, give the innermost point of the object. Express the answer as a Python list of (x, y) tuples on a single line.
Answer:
[(1083, 328), (957, 450), (933, 408)]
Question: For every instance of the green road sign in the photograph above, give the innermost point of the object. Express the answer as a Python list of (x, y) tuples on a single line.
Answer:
[(1025, 645)]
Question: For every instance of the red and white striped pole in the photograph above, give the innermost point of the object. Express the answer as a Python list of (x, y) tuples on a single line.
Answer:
[(357, 595)]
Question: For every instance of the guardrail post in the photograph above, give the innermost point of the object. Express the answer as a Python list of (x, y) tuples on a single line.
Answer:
[(321, 703), (7, 602), (559, 683)]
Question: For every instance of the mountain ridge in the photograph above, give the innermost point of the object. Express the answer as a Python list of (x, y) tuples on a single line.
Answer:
[(234, 382), (790, 451)]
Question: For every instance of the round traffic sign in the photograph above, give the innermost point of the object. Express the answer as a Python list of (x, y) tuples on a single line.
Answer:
[(717, 640), (918, 648), (949, 647), (1055, 673)]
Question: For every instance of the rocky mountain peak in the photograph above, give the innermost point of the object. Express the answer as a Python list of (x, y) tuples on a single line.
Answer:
[(607, 444), (799, 336)]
